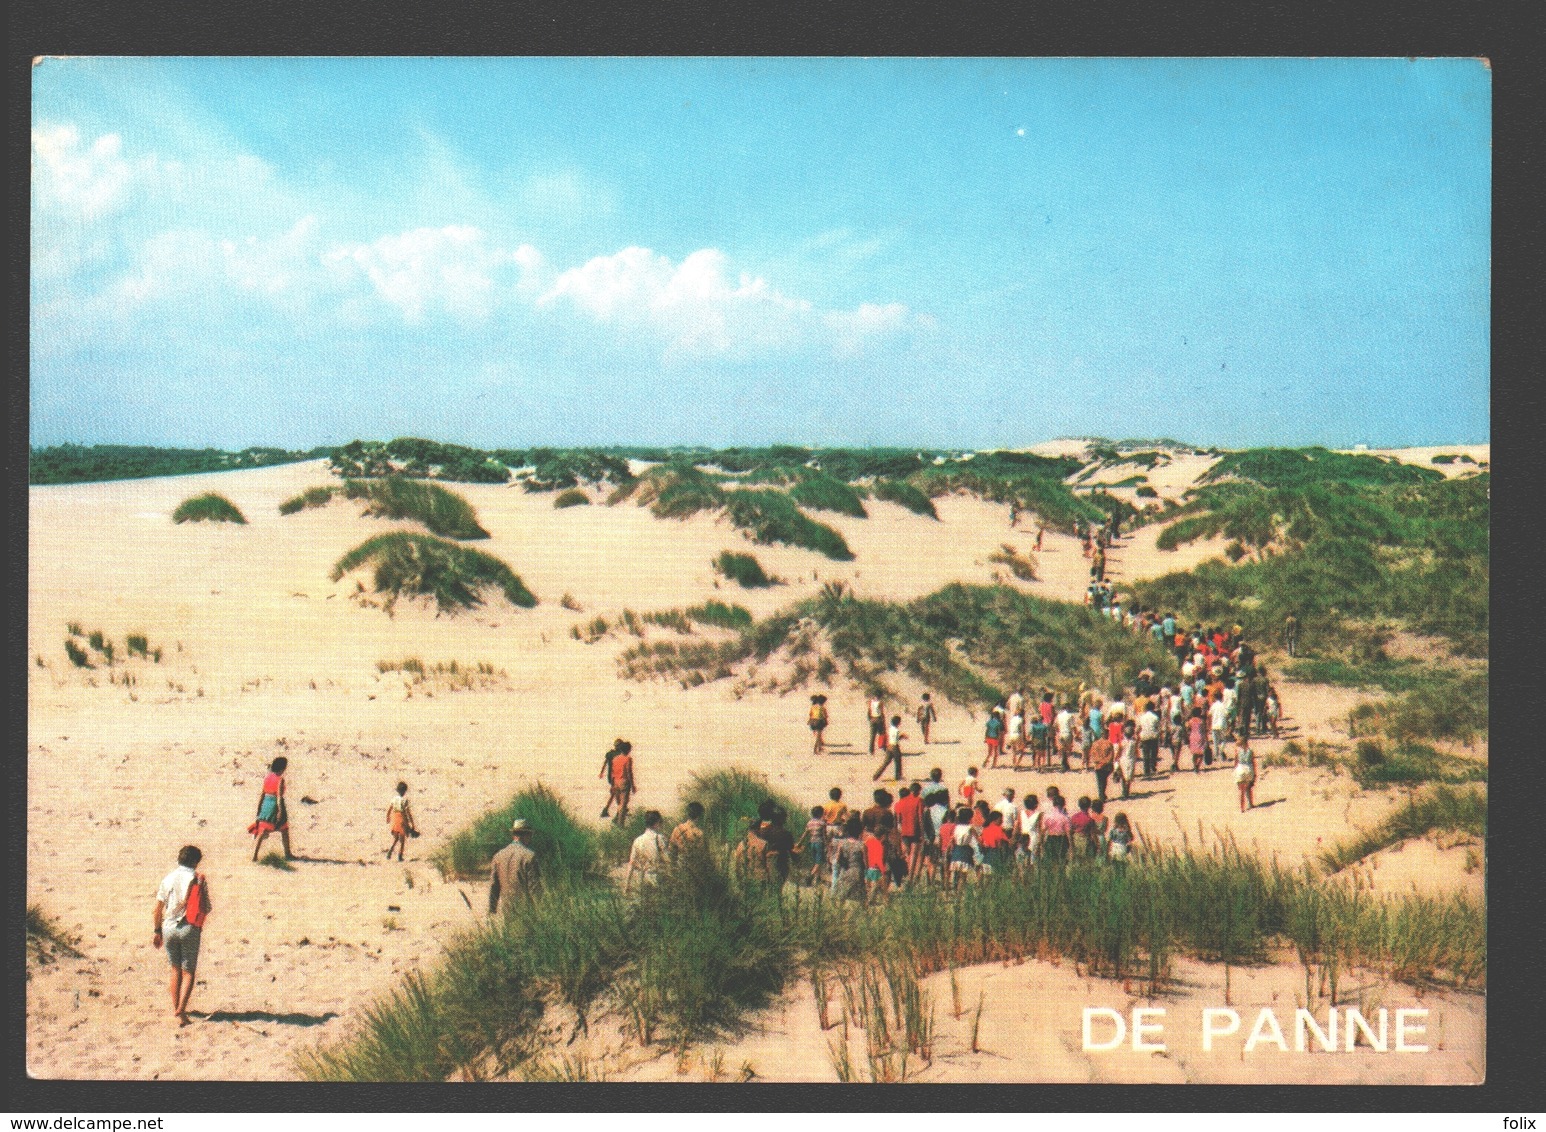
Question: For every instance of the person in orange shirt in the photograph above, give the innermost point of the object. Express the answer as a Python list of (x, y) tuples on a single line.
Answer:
[(1100, 758), (618, 769)]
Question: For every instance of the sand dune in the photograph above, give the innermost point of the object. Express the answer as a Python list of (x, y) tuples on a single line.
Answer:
[(264, 655)]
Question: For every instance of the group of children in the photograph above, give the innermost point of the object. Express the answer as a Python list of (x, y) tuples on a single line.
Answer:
[(1223, 696), (925, 835)]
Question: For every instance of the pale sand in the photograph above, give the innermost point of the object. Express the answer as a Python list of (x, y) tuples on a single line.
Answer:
[(277, 659)]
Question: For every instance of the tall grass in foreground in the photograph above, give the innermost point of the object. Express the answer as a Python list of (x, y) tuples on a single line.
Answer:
[(1437, 808), (407, 564), (211, 507), (743, 569), (688, 961)]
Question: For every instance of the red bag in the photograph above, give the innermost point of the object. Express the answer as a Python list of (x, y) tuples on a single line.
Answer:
[(197, 909)]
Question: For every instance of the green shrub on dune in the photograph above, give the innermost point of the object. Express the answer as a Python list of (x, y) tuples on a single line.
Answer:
[(414, 565), (572, 497), (444, 512), (823, 493), (743, 569), (319, 496), (566, 847), (210, 507), (905, 495), (720, 615), (771, 516)]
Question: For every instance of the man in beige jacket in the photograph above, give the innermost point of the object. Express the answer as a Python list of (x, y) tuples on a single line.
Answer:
[(515, 870)]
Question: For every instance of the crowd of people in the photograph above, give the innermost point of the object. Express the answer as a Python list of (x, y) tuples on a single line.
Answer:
[(925, 835)]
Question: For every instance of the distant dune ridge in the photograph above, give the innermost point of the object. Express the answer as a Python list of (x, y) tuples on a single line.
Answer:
[(262, 647)]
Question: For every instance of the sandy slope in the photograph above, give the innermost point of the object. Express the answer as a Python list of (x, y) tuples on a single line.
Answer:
[(263, 655)]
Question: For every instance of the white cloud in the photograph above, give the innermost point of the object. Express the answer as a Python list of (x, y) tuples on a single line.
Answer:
[(452, 269), (854, 329), (700, 307), (90, 180), (214, 235)]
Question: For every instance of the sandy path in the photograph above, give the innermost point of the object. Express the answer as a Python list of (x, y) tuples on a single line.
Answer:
[(264, 655)]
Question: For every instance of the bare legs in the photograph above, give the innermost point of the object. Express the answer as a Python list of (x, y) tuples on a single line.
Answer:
[(182, 990)]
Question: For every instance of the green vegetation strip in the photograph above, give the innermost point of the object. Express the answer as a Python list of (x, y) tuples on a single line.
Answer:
[(691, 959), (971, 644), (1337, 554), (75, 463)]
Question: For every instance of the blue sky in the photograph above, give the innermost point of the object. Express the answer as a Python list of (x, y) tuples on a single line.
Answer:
[(953, 253)]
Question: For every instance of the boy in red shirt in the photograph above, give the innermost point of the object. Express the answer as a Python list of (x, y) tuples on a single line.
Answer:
[(874, 860), (908, 811), (994, 842)]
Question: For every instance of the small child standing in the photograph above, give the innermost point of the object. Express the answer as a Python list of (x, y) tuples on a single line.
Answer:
[(969, 786), (926, 716), (814, 841), (400, 821)]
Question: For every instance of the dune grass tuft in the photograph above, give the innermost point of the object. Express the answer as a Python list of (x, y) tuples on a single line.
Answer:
[(1020, 565), (413, 565), (906, 495), (823, 493), (771, 516), (571, 497), (720, 615), (744, 570), (210, 507), (47, 938), (565, 846), (319, 496), (78, 656), (443, 512), (1434, 809)]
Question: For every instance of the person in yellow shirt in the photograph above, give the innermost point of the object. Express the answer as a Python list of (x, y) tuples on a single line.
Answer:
[(836, 810)]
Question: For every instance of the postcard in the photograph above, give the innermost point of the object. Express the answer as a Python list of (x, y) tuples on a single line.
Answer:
[(716, 570)]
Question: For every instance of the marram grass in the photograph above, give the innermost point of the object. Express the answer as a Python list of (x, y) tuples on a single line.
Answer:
[(413, 565), (210, 507)]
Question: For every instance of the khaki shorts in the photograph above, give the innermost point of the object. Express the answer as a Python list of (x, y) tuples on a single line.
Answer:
[(182, 947)]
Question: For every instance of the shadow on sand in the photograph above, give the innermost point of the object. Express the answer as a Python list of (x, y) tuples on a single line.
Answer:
[(267, 1016)]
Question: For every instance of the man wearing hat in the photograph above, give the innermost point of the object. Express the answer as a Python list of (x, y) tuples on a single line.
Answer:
[(514, 868)]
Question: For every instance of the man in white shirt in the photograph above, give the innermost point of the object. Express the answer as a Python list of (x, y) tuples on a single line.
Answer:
[(1065, 732), (1011, 812), (173, 929), (1148, 740), (1030, 825), (1218, 721), (649, 855)]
